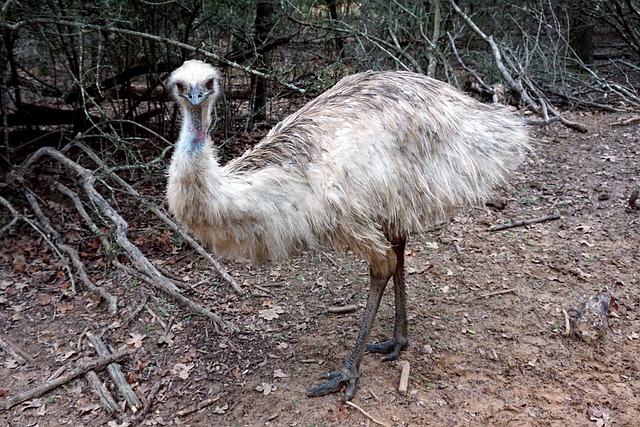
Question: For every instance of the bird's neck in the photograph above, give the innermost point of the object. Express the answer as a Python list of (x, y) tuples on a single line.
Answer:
[(194, 134)]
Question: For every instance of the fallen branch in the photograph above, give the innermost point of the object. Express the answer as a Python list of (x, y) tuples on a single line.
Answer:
[(156, 211), (76, 372), (143, 266), (353, 405), (38, 229), (404, 377), (343, 309), (8, 348), (626, 122), (116, 374), (72, 253), (135, 313), (567, 323), (107, 401), (514, 224), (147, 404), (633, 200), (502, 292), (200, 405)]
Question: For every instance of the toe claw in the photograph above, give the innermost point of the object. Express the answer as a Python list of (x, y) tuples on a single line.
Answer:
[(393, 355)]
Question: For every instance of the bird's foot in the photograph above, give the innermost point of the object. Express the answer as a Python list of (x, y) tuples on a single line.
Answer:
[(390, 347), (345, 376)]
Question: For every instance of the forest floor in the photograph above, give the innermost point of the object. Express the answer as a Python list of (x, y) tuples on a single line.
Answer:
[(486, 309)]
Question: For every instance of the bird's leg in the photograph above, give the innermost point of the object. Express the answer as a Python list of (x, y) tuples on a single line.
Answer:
[(393, 346), (380, 272)]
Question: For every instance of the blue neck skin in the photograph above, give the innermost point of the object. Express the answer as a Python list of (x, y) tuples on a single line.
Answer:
[(194, 134)]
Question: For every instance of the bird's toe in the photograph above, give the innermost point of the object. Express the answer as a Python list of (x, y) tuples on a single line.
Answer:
[(390, 347), (337, 380)]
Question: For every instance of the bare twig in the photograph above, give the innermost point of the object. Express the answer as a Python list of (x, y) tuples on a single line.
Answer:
[(343, 309), (135, 312), (44, 233), (7, 227), (71, 252), (502, 292), (8, 348), (109, 29), (633, 200), (80, 369), (567, 323), (147, 405), (371, 417), (5, 9), (469, 70), (514, 224), (626, 121), (200, 405)]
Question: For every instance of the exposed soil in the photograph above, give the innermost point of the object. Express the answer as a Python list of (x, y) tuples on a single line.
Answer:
[(487, 328)]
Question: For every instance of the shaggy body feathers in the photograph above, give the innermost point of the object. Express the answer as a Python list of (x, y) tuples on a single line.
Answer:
[(378, 157)]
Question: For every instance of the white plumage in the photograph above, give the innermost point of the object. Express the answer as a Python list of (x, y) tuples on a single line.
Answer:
[(378, 157)]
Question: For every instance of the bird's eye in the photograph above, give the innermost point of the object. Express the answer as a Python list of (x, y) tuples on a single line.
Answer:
[(209, 84), (180, 87)]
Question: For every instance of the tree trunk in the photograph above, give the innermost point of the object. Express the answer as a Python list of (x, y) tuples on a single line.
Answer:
[(332, 5), (581, 31), (263, 26)]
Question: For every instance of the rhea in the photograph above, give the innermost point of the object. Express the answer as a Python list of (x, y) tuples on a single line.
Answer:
[(378, 157)]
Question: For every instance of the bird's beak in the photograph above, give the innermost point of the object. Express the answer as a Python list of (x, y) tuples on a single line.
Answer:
[(195, 95)]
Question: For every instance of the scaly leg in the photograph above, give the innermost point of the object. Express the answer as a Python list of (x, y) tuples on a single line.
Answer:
[(380, 272), (393, 346)]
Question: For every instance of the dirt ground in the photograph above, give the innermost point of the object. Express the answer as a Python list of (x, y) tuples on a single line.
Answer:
[(487, 316)]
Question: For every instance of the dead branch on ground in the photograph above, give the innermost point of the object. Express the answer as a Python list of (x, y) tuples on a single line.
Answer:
[(501, 292), (366, 414), (162, 216), (8, 348), (147, 405), (200, 405), (107, 401), (523, 222), (80, 369), (633, 200), (404, 377), (116, 374), (343, 309), (143, 267), (71, 252)]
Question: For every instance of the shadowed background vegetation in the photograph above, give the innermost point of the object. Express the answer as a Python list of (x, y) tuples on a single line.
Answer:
[(100, 67)]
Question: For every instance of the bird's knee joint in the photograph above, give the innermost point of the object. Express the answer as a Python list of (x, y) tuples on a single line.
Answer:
[(383, 267)]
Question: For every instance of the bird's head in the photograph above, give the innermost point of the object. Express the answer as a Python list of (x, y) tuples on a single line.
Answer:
[(194, 83)]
